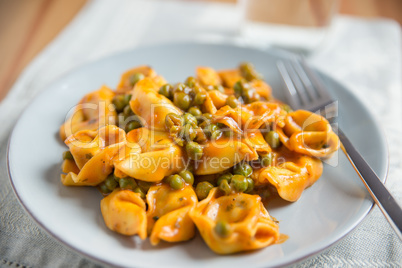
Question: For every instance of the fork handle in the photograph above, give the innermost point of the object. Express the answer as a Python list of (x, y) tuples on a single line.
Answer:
[(382, 197)]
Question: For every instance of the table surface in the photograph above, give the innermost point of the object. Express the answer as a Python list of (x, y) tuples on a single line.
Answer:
[(27, 26)]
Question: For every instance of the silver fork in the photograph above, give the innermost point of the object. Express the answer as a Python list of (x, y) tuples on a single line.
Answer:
[(306, 91)]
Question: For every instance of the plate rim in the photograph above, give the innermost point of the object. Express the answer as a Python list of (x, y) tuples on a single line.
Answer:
[(269, 50)]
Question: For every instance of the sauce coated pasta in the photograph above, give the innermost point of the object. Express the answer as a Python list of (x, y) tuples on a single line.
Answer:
[(203, 154)]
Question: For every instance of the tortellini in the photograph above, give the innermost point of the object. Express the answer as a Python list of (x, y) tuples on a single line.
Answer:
[(229, 77), (124, 212), (218, 98), (262, 88), (216, 159), (168, 213), (93, 111), (159, 158), (255, 140), (69, 168), (95, 155), (208, 76), (128, 78), (251, 116), (153, 166), (290, 174), (234, 223), (151, 106), (308, 133)]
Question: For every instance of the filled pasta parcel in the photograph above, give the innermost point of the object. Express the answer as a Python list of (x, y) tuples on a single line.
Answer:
[(206, 154)]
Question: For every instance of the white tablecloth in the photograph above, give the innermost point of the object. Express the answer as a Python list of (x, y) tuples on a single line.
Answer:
[(364, 54)]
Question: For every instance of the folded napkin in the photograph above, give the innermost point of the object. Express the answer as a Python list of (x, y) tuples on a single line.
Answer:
[(364, 54)]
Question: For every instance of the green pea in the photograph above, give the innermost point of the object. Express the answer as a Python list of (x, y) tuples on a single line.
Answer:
[(166, 90), (202, 190), (178, 141), (190, 168), (250, 185), (110, 182), (216, 134), (173, 119), (174, 129), (138, 190), (225, 187), (248, 71), (226, 177), (220, 125), (243, 169), (200, 98), (195, 111), (119, 103), (181, 100), (232, 101), (187, 176), (132, 125), (247, 95), (228, 133), (239, 183), (127, 111), (222, 229), (266, 160), (167, 179), (127, 99), (220, 88), (266, 193), (197, 89), (67, 155), (191, 81), (190, 119), (127, 183), (207, 116), (188, 133), (144, 185), (200, 136), (287, 108), (179, 87), (204, 125), (272, 138), (176, 182), (238, 88), (134, 78), (194, 150), (104, 189), (211, 128)]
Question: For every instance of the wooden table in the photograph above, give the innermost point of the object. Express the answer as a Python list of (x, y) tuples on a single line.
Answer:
[(26, 26)]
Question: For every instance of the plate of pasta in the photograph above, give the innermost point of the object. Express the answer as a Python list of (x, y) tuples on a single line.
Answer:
[(187, 154)]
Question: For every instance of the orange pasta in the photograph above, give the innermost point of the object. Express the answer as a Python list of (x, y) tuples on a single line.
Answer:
[(170, 158)]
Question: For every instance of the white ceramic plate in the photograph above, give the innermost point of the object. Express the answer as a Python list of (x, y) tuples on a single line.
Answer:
[(326, 212)]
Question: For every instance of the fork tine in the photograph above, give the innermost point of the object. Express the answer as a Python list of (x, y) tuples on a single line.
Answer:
[(305, 80), (297, 83), (303, 84), (316, 82), (291, 93)]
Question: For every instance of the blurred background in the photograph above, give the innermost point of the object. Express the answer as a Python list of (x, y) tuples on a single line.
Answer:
[(27, 26)]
